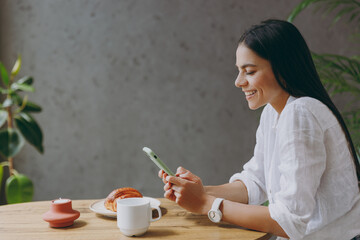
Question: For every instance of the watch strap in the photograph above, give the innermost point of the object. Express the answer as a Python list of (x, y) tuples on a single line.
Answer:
[(216, 204)]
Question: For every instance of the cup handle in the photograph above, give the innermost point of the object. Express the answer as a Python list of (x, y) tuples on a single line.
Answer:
[(159, 212)]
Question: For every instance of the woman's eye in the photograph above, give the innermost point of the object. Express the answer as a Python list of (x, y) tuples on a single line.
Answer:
[(250, 73)]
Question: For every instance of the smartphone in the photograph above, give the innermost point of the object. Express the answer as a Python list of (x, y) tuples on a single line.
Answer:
[(157, 161)]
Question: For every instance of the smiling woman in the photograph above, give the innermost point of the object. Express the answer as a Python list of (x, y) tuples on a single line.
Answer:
[(304, 162)]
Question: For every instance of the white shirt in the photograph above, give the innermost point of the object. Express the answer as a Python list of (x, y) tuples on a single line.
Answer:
[(303, 166)]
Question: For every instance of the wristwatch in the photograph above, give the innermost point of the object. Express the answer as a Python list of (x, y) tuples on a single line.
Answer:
[(215, 214)]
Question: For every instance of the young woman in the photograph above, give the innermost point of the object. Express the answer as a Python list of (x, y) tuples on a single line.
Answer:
[(304, 161)]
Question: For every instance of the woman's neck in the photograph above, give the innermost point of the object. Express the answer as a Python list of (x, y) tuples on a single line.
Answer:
[(280, 102)]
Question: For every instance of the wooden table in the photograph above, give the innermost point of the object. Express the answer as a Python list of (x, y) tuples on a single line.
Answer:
[(24, 221)]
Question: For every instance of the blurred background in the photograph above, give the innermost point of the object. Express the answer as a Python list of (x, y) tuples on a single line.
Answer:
[(115, 76)]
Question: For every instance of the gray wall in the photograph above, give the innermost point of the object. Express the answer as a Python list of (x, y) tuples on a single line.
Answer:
[(114, 76)]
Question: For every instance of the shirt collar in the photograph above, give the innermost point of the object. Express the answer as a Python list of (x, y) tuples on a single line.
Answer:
[(289, 100)]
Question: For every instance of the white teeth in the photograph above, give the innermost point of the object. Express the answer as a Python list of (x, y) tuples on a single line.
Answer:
[(250, 93)]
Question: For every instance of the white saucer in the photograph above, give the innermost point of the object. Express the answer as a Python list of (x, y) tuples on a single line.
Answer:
[(99, 207)]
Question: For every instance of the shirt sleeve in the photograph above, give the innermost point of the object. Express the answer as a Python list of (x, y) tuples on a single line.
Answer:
[(253, 174), (302, 158)]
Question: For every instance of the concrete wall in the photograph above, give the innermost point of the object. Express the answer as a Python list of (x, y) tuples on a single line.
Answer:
[(114, 76)]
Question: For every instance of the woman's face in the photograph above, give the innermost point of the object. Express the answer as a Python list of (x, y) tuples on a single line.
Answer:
[(258, 81)]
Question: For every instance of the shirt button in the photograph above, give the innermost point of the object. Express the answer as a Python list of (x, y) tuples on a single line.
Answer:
[(270, 196)]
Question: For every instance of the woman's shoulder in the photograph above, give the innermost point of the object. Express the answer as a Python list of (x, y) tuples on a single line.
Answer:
[(308, 106), (308, 103)]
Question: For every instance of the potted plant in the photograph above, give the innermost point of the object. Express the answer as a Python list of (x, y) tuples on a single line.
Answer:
[(340, 74), (17, 127)]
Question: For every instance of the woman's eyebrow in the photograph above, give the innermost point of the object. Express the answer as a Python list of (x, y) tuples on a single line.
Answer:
[(246, 65)]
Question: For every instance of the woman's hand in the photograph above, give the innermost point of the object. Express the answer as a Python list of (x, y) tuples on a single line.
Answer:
[(169, 193), (187, 190)]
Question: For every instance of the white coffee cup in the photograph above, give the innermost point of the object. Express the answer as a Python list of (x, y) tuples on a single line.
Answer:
[(134, 215)]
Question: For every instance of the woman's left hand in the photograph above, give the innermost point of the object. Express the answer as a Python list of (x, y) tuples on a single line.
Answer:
[(188, 191)]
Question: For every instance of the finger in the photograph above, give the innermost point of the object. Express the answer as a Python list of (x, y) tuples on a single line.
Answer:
[(167, 186), (176, 180), (190, 176), (160, 174), (180, 170), (164, 177), (170, 195), (177, 197), (167, 194), (176, 188)]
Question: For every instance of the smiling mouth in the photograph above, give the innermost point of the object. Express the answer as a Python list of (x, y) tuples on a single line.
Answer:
[(250, 93)]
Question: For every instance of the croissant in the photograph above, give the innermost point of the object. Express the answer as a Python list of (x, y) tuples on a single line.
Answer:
[(120, 193)]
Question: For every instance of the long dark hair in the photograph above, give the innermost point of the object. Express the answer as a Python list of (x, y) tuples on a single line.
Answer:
[(282, 44)]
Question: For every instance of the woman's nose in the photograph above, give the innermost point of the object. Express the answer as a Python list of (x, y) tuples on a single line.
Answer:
[(240, 81)]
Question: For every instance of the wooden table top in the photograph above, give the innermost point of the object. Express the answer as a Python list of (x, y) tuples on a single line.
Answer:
[(24, 221)]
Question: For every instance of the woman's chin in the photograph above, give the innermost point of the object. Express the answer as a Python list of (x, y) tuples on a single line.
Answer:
[(253, 106)]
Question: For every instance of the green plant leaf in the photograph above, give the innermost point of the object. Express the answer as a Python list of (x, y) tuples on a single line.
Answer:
[(353, 16), (7, 103), (299, 8), (30, 130), (16, 67), (3, 90), (4, 74), (344, 10), (16, 98), (327, 7), (3, 117), (339, 73), (19, 188), (22, 86), (11, 142), (32, 107), (29, 106), (25, 80)]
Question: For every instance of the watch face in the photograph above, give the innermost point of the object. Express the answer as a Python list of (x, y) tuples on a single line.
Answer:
[(215, 216)]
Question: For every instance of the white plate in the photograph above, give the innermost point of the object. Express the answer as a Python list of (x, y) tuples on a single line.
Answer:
[(99, 207)]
